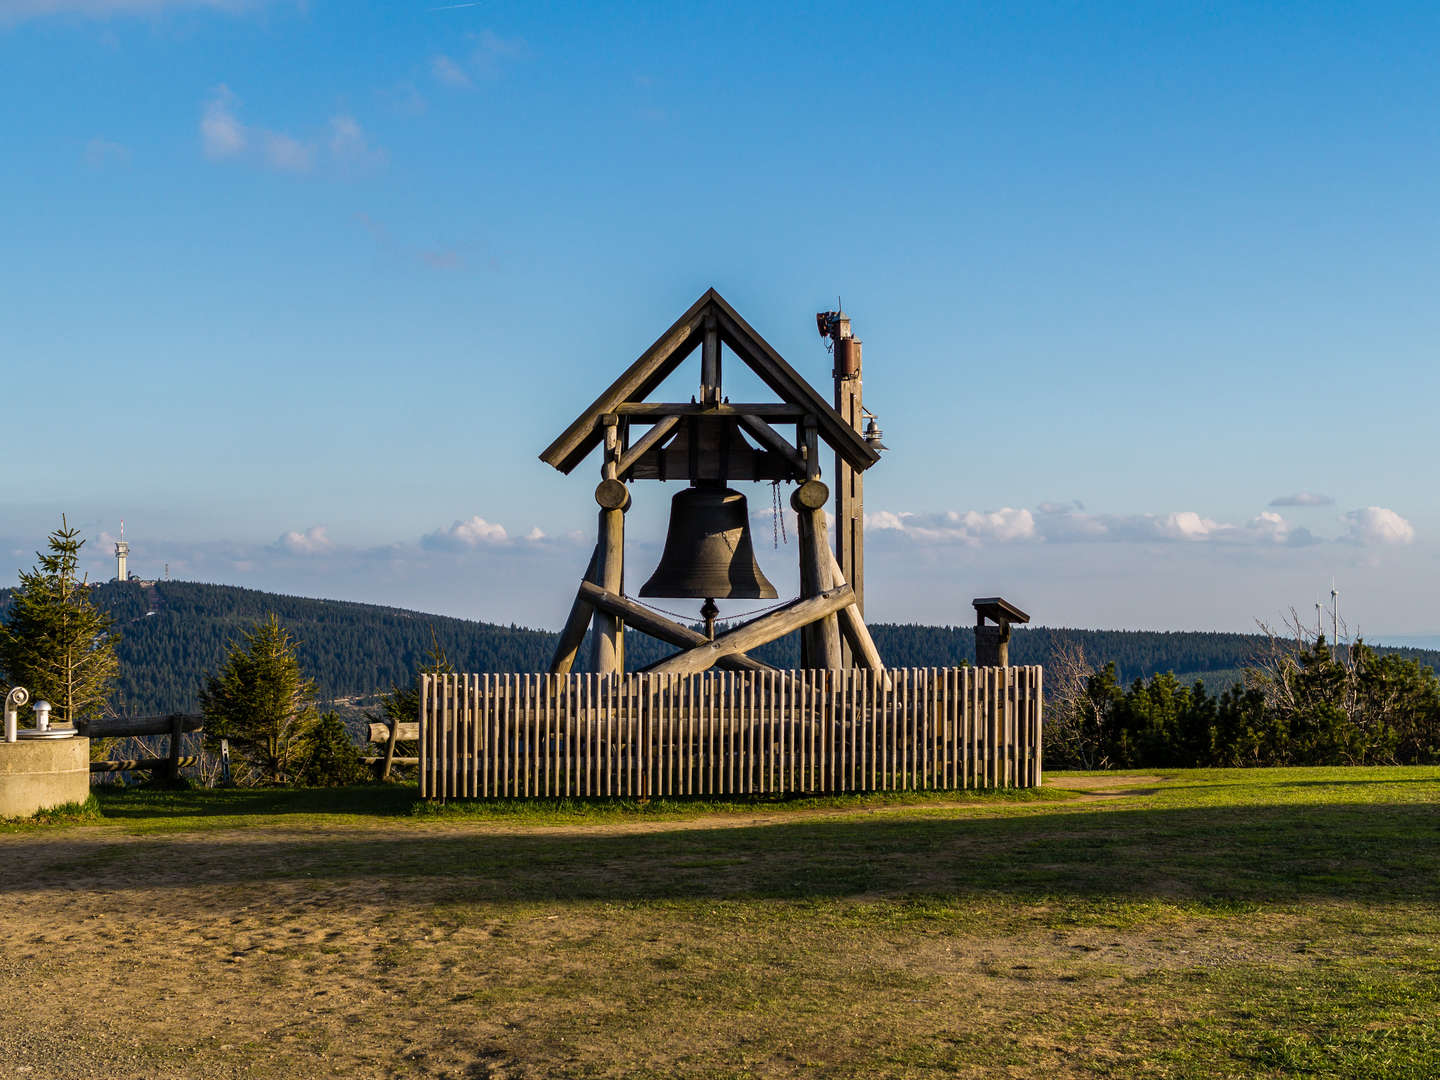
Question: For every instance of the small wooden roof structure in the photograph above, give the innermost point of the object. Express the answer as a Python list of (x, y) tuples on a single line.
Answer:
[(998, 610), (671, 349)]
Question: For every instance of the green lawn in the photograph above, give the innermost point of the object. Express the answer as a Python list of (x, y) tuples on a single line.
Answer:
[(1204, 923)]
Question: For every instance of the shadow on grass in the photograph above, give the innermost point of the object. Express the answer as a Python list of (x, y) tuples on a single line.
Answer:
[(1372, 852), (151, 803)]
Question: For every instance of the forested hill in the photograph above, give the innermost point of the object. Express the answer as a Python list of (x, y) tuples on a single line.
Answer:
[(173, 633)]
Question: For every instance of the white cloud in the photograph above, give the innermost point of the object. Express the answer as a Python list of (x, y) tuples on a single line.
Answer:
[(1303, 498), (221, 133), (350, 145), (1059, 523), (449, 72), (1377, 525), (224, 136), (536, 534), (286, 153), (473, 532), (1006, 525), (312, 541)]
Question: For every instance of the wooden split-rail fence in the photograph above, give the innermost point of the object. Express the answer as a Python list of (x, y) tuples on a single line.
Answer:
[(728, 732)]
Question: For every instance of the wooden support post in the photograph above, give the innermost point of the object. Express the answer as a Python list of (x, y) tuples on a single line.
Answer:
[(172, 767), (849, 481), (607, 643), (821, 639), (757, 632)]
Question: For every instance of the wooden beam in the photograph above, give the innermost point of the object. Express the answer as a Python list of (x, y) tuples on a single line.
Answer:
[(607, 642), (405, 731), (124, 727), (639, 379), (761, 357), (663, 427), (770, 410), (772, 440), (576, 624), (757, 632), (710, 363), (823, 635), (657, 626), (853, 628)]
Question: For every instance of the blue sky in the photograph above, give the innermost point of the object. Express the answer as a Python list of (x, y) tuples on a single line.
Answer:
[(300, 290)]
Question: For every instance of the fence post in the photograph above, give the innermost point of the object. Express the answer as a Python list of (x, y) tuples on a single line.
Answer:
[(172, 767)]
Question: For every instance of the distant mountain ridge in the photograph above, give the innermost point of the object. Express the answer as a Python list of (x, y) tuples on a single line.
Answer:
[(174, 633)]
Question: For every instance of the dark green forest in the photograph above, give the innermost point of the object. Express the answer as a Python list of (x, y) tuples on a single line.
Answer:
[(173, 633)]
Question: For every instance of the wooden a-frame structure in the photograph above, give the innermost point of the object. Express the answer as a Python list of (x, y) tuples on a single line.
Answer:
[(711, 439)]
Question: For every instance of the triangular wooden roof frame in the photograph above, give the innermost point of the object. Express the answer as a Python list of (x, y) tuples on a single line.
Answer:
[(671, 349)]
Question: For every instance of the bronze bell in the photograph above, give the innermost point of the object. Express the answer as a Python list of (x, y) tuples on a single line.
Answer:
[(708, 554)]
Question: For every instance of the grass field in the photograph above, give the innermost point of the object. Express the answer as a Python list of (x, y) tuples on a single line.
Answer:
[(1266, 923)]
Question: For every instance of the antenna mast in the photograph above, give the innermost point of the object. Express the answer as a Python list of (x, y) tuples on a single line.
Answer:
[(1334, 617)]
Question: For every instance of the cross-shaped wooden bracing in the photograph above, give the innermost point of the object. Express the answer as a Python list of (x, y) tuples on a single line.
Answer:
[(711, 442)]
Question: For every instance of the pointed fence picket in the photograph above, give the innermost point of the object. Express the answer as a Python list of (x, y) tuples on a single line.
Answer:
[(728, 732)]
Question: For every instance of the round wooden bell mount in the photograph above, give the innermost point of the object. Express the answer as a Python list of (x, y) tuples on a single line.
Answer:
[(612, 495), (811, 495)]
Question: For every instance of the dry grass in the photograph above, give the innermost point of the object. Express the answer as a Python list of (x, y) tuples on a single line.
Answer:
[(1276, 923)]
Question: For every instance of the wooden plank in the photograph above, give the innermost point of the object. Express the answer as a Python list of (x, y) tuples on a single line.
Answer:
[(546, 737), (592, 741), (485, 721), (457, 763), (1039, 722)]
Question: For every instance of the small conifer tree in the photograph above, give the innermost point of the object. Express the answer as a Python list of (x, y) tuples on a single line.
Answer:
[(54, 641), (331, 757), (262, 704)]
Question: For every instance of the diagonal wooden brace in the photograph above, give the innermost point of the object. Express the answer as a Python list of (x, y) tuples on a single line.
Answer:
[(758, 632), (852, 625), (641, 618), (575, 626)]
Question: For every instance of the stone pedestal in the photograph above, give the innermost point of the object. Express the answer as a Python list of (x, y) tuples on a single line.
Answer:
[(36, 774)]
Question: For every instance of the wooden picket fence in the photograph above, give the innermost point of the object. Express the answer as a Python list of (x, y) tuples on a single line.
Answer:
[(728, 732)]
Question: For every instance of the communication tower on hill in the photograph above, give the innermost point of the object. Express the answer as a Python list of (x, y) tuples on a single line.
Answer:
[(122, 552)]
